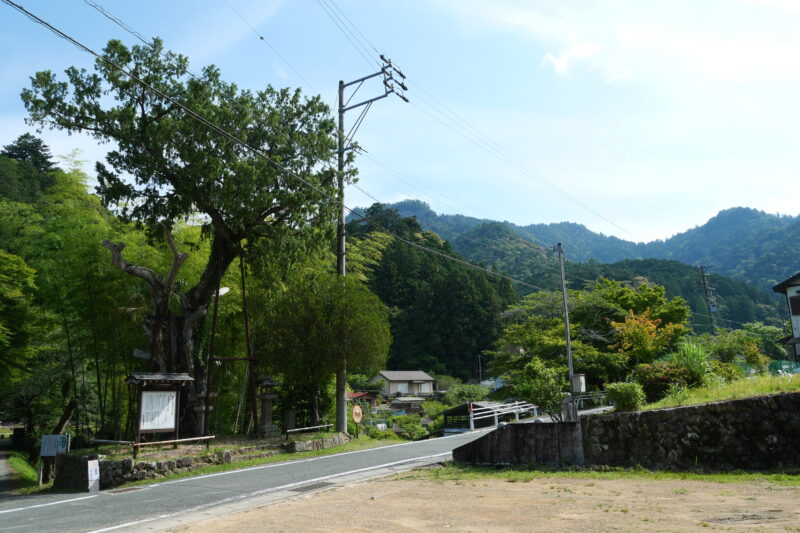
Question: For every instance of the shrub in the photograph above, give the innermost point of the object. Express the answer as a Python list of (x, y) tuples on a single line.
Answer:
[(379, 434), (408, 427), (694, 358), (725, 371), (625, 396), (462, 393), (657, 378)]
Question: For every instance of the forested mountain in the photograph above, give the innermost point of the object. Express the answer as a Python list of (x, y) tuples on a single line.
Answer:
[(503, 247), (742, 243), (444, 314)]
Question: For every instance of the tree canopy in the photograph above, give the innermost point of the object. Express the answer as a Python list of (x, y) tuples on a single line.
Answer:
[(165, 165)]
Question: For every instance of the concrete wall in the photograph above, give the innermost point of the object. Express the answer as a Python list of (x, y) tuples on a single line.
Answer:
[(754, 434), (548, 444)]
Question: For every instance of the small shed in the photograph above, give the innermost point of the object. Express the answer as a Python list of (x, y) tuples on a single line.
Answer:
[(405, 382), (791, 288), (366, 397)]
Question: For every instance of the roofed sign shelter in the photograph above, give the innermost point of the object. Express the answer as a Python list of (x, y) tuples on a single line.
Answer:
[(158, 403)]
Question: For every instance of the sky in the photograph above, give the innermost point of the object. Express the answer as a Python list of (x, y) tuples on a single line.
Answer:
[(636, 119)]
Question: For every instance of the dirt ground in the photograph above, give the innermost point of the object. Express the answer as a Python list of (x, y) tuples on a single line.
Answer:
[(547, 504)]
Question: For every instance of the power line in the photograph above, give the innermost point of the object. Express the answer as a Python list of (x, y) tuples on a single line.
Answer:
[(459, 124), (255, 151), (359, 47), (265, 41)]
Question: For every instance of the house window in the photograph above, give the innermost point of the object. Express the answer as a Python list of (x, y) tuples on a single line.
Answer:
[(402, 387), (794, 305)]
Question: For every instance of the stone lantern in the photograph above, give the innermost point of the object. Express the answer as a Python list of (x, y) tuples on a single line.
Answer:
[(266, 388)]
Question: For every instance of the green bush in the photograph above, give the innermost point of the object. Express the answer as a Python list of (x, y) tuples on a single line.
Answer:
[(725, 371), (657, 378), (408, 427), (379, 434), (694, 358), (625, 396), (462, 393)]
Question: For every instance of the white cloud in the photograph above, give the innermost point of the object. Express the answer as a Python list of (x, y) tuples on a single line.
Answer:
[(749, 42)]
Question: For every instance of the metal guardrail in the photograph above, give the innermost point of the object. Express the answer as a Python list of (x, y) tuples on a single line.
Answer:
[(174, 442), (595, 396), (309, 428), (514, 408)]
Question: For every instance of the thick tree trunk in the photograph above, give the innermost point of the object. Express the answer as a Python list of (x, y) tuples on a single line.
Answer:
[(172, 335)]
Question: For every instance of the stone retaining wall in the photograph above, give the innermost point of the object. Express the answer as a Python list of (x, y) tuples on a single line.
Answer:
[(71, 470), (318, 444), (759, 433)]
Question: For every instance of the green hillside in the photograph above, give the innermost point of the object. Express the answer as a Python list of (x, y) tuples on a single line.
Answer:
[(742, 243)]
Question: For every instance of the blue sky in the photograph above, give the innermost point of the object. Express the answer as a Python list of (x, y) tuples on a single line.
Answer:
[(636, 119)]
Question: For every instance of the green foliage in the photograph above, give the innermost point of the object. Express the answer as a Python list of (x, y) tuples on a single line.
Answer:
[(379, 434), (445, 383), (746, 244), (643, 339), (417, 286), (625, 396), (408, 427), (463, 392), (727, 372), (694, 358), (658, 377), (17, 316), (19, 462), (767, 338), (541, 386), (612, 327), (740, 388), (321, 322), (32, 150)]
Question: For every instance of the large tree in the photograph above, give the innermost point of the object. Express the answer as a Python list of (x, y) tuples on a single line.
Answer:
[(320, 322), (166, 166)]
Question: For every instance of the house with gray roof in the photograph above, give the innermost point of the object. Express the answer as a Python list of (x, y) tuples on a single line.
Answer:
[(791, 288), (405, 383)]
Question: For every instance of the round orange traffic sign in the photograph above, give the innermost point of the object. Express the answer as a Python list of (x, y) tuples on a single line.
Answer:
[(357, 414)]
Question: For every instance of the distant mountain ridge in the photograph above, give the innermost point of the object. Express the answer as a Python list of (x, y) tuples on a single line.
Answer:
[(742, 243)]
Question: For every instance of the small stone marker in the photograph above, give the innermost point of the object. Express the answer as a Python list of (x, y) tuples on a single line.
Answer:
[(93, 466)]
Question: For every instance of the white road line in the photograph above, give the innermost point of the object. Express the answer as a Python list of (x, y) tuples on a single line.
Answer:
[(46, 504), (265, 491), (299, 461), (274, 465)]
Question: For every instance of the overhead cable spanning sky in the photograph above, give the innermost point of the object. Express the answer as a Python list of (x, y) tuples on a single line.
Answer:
[(636, 119)]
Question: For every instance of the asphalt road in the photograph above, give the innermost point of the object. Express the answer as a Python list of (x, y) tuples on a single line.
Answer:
[(8, 477), (154, 507)]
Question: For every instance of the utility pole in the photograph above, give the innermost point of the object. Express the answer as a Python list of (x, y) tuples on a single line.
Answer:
[(711, 300), (391, 85), (573, 405)]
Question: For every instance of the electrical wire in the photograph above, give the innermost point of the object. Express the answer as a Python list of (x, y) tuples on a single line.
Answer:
[(347, 33), (265, 41), (459, 125), (255, 151)]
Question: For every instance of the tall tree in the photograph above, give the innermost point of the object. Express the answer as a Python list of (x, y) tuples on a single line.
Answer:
[(322, 321), (31, 149), (180, 166)]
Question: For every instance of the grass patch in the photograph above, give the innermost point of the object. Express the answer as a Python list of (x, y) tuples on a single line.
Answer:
[(741, 388), (455, 472), (363, 443), (18, 462)]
